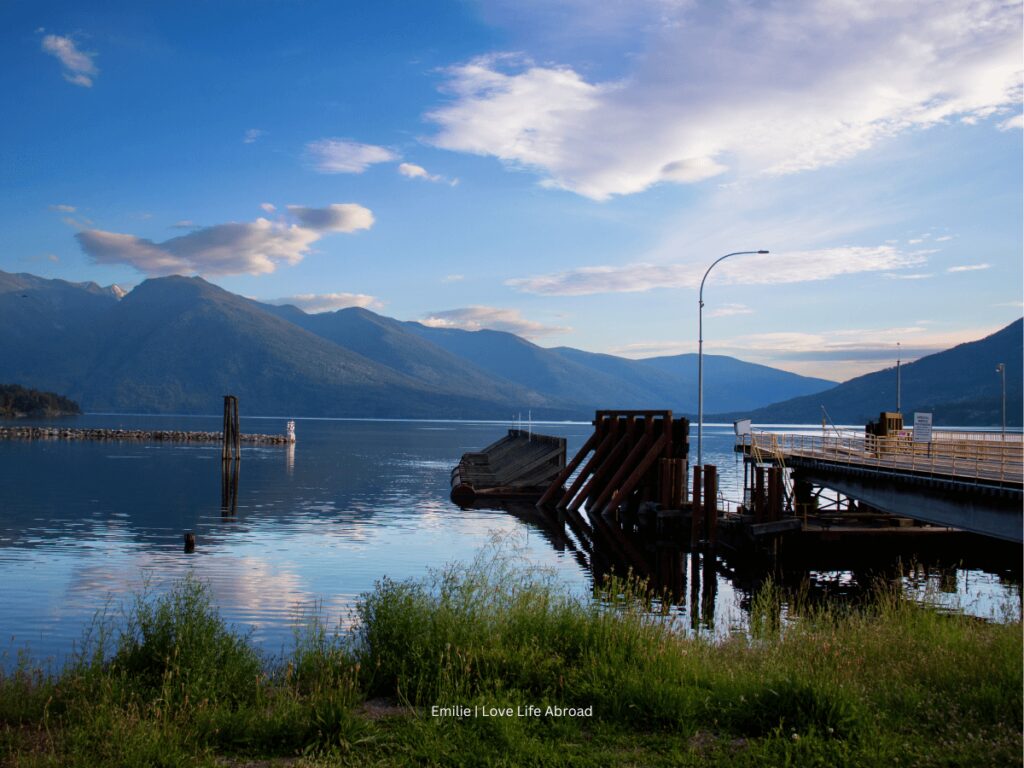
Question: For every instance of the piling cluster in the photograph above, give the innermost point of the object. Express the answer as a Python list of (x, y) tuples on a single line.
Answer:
[(131, 435)]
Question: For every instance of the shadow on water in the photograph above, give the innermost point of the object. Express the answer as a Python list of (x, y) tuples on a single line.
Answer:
[(690, 580)]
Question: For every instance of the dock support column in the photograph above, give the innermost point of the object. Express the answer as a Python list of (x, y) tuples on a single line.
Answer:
[(697, 517), (759, 499), (775, 494), (711, 502)]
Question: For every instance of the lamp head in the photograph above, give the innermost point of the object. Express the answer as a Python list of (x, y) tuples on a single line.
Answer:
[(762, 251)]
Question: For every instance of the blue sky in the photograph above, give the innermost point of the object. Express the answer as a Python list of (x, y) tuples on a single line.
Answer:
[(563, 169)]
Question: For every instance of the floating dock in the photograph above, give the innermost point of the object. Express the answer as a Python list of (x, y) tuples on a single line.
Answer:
[(520, 465)]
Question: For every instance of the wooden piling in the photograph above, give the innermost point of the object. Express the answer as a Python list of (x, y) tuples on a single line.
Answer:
[(711, 502), (775, 489), (564, 475), (232, 445), (759, 496), (697, 517)]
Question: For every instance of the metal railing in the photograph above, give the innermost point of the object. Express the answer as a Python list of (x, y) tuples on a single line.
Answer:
[(960, 455)]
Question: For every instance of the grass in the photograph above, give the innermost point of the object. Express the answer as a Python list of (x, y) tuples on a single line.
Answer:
[(888, 683)]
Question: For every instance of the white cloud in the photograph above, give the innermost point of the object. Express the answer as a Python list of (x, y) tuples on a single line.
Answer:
[(257, 247), (757, 269), (268, 207), (944, 238), (908, 275), (413, 171), (328, 302), (338, 217), (729, 310), (63, 208), (1017, 121), (869, 345), (79, 68), (252, 135), (969, 267), (773, 90), (478, 318), (453, 278), (184, 224), (344, 156)]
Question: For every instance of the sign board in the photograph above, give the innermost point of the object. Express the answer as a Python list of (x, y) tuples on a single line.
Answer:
[(922, 427), (742, 427)]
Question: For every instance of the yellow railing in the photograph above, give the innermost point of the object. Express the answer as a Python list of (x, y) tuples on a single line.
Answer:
[(950, 454)]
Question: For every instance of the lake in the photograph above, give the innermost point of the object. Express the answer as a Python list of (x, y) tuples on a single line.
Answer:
[(84, 525)]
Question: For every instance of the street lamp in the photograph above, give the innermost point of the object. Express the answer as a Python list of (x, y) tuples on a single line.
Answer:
[(1001, 370), (700, 355)]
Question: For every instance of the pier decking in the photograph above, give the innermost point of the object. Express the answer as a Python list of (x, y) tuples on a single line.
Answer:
[(972, 481)]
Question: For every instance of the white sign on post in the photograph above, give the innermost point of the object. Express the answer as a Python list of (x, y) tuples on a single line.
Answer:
[(922, 427), (741, 427)]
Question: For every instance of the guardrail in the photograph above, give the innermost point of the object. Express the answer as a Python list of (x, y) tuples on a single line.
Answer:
[(949, 454)]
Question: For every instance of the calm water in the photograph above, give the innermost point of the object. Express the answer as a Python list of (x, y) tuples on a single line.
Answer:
[(84, 525)]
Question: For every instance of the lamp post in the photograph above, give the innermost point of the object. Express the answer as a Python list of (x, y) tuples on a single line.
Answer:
[(700, 354), (1001, 370)]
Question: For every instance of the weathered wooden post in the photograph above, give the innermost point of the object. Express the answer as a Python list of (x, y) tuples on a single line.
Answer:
[(759, 497), (697, 517), (232, 447), (226, 429), (711, 502), (236, 430), (775, 494), (190, 541)]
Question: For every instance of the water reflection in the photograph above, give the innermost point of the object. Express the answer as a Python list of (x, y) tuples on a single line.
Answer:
[(229, 472), (714, 589), (366, 500)]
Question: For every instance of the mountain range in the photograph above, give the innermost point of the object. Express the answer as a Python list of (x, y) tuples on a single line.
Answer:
[(177, 344)]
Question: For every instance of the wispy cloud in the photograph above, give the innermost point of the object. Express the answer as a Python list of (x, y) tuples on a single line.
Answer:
[(908, 275), (478, 318), (328, 302), (791, 267), (413, 171), (728, 310), (823, 83), (969, 267), (345, 156), (268, 207), (878, 345), (79, 67), (257, 247), (63, 208), (1017, 121), (253, 135), (453, 278)]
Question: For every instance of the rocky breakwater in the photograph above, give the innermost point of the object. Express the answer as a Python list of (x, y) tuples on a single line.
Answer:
[(132, 435)]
